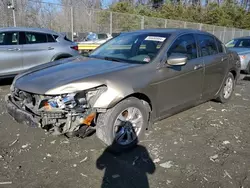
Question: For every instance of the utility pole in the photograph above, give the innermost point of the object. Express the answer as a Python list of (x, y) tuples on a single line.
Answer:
[(11, 6)]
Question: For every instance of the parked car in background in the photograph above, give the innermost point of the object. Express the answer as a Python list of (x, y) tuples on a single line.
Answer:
[(23, 48), (97, 38), (92, 41), (242, 47), (125, 84)]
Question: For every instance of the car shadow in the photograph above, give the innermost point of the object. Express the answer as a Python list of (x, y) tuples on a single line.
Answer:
[(6, 81), (246, 78), (126, 169)]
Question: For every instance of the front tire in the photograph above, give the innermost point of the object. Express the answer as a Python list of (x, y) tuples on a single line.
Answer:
[(227, 89), (122, 126)]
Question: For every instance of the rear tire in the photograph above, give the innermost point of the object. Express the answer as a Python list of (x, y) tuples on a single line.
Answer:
[(248, 69), (105, 128), (227, 89)]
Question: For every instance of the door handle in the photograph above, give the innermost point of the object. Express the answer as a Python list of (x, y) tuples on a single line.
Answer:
[(50, 48), (14, 49), (196, 67)]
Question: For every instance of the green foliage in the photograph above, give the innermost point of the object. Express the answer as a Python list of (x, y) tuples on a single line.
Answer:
[(227, 14)]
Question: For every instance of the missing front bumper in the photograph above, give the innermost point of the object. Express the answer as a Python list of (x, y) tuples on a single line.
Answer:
[(21, 116), (76, 125)]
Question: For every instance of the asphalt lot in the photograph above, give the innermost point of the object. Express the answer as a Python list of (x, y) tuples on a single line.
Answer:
[(206, 146)]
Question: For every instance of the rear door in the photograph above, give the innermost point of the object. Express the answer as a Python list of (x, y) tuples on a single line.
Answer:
[(215, 62), (10, 53), (39, 49)]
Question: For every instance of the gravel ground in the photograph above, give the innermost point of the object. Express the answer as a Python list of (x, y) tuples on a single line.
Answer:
[(206, 146)]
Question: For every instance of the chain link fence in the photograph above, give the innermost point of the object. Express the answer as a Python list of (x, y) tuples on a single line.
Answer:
[(69, 19)]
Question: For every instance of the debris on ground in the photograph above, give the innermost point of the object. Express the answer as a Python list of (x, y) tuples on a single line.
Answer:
[(205, 178), (227, 174), (214, 158), (156, 160), (211, 109), (53, 142), (83, 175), (25, 146), (15, 141), (65, 142), (5, 183), (167, 164), (225, 142), (48, 155), (84, 159), (168, 182)]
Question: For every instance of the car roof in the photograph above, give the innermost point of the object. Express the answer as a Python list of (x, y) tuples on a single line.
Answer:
[(29, 29), (176, 31), (245, 37)]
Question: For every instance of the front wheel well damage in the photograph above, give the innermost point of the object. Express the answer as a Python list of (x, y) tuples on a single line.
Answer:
[(234, 73), (144, 98)]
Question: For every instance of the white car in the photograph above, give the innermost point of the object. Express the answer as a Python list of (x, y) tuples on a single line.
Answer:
[(93, 38)]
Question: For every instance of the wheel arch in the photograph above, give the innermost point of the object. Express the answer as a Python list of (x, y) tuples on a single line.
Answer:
[(59, 56), (144, 98), (138, 95), (234, 72)]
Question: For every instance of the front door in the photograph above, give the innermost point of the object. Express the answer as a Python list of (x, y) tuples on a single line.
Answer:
[(11, 60), (180, 86)]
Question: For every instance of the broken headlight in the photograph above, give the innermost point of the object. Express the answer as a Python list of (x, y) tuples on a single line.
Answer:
[(84, 99), (63, 101)]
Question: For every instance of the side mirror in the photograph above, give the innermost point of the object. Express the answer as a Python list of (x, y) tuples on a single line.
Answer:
[(177, 60)]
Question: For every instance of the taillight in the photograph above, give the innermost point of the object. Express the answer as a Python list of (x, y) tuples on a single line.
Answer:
[(74, 48), (242, 57)]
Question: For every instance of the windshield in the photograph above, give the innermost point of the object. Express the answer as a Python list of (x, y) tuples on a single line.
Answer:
[(239, 43), (134, 48)]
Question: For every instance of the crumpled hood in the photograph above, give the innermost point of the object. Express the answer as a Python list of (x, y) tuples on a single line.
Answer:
[(240, 50), (48, 76)]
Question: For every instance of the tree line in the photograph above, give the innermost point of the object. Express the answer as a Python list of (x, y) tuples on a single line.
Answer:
[(94, 15), (228, 13)]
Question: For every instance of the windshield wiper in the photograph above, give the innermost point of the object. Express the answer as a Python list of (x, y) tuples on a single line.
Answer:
[(112, 59)]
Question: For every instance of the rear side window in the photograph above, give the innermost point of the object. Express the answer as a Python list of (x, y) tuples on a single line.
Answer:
[(207, 45), (50, 38), (220, 46), (9, 38), (185, 45), (102, 36), (239, 43), (35, 38), (55, 36), (65, 38)]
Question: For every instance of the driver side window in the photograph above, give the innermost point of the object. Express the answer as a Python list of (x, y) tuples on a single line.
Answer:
[(184, 45)]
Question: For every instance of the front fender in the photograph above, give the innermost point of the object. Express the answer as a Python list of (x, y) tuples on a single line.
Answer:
[(114, 94)]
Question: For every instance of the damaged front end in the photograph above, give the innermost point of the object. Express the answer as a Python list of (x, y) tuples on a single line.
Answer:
[(70, 114)]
